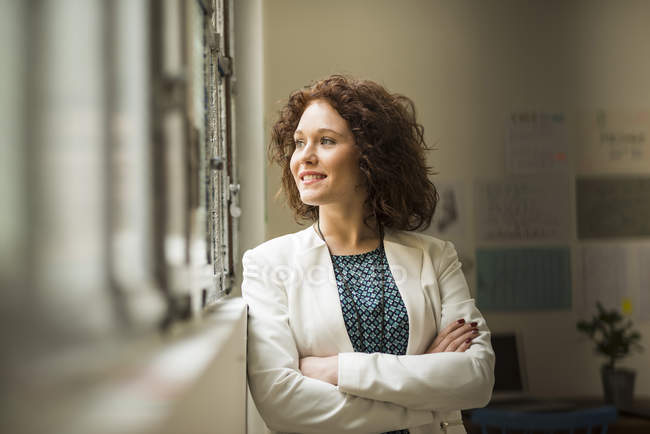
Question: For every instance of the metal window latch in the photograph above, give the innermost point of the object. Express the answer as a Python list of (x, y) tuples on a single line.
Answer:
[(225, 66), (447, 423), (216, 43), (235, 210)]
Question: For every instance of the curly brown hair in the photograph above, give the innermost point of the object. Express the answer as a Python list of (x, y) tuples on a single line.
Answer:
[(400, 193)]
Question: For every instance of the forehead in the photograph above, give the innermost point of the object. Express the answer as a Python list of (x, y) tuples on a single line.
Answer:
[(320, 114)]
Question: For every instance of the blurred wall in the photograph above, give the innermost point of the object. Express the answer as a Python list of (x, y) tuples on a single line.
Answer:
[(249, 111), (466, 64)]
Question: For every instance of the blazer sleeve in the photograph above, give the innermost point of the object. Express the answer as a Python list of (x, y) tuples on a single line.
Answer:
[(287, 400), (439, 381)]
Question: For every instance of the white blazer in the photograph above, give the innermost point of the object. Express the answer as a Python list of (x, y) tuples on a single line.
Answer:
[(294, 311)]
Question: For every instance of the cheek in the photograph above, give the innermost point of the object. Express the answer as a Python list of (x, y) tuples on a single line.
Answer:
[(352, 168)]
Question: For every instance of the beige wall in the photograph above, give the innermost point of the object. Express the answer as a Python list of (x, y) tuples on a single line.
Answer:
[(249, 134), (466, 64)]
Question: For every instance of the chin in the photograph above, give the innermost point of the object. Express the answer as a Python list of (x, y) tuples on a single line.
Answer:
[(310, 200)]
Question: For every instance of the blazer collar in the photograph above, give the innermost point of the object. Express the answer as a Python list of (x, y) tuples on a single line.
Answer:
[(311, 240), (405, 263)]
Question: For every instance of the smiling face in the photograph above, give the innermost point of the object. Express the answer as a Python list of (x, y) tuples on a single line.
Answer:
[(325, 162)]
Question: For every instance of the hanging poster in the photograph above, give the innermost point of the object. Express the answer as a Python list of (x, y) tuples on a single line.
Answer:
[(613, 141), (512, 279), (536, 142), (523, 208)]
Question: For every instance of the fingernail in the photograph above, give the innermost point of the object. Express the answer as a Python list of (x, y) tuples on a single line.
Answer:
[(473, 324), (461, 321), (468, 340), (475, 331)]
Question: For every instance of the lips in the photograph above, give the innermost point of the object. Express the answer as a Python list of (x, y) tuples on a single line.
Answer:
[(312, 179), (309, 177), (309, 173)]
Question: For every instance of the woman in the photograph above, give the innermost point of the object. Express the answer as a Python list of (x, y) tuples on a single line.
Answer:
[(357, 324)]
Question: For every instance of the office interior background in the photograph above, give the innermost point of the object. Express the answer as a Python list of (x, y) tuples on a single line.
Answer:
[(134, 175)]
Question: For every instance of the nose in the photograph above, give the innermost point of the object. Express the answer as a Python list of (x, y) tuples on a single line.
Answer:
[(308, 153)]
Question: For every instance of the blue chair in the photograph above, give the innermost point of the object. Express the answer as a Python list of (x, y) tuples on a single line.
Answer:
[(565, 421)]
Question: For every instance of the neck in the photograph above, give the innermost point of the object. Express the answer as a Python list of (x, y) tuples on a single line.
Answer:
[(345, 232)]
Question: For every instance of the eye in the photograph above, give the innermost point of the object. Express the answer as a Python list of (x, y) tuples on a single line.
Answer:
[(327, 141), (299, 143)]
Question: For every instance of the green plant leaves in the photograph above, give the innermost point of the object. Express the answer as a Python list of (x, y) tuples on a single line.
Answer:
[(613, 337)]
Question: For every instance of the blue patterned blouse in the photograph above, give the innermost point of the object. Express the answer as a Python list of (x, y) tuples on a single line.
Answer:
[(359, 279)]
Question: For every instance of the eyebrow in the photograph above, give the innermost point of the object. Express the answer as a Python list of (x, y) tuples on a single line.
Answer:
[(320, 130)]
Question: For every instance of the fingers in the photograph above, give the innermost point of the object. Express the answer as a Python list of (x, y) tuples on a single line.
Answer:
[(449, 329), (464, 346), (457, 336), (463, 339)]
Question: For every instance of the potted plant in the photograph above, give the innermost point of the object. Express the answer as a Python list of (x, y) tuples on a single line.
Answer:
[(614, 339)]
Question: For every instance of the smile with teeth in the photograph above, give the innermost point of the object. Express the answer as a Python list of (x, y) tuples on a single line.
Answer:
[(312, 177)]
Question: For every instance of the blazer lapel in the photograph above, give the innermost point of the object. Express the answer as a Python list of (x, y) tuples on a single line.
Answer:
[(318, 279), (405, 264)]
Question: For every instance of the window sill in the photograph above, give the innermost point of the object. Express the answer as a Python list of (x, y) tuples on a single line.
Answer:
[(159, 384)]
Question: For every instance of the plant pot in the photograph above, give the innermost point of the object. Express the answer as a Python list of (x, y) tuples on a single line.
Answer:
[(618, 385)]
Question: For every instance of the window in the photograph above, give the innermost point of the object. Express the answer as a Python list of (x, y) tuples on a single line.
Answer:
[(194, 170), (120, 188)]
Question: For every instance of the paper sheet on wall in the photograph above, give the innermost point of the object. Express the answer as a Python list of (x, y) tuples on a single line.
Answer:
[(613, 207), (522, 208), (450, 219), (613, 141), (618, 276), (604, 277), (514, 279), (536, 142)]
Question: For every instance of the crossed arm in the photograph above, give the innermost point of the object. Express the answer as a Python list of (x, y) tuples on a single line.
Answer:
[(290, 401), (456, 337), (376, 392)]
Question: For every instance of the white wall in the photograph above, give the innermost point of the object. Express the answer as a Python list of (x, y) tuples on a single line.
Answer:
[(466, 64)]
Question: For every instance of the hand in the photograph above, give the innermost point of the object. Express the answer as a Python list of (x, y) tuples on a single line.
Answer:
[(457, 337), (321, 368)]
